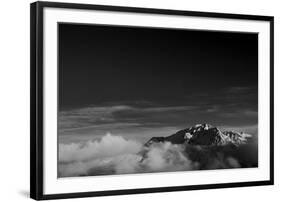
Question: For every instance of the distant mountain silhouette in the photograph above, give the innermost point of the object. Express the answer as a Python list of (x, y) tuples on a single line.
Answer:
[(203, 134)]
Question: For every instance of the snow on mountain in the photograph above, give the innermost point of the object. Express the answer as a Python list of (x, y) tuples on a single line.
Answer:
[(204, 135)]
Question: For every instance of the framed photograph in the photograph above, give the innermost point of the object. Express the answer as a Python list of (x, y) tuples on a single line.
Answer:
[(136, 100)]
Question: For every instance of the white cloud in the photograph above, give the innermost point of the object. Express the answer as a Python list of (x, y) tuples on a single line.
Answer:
[(108, 146), (167, 157)]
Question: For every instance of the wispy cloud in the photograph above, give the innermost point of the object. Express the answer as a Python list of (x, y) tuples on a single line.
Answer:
[(240, 89), (232, 106), (109, 118), (99, 116)]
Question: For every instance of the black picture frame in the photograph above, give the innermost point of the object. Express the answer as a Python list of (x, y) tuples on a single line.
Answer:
[(36, 99)]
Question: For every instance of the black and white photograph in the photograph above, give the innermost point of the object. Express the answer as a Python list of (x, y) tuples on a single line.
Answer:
[(135, 100)]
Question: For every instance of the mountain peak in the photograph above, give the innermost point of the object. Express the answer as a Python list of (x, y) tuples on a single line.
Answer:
[(205, 126), (203, 134)]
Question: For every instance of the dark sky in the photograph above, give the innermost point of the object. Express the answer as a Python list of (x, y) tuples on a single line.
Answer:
[(103, 65)]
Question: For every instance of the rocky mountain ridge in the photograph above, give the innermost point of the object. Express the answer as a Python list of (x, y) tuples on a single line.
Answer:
[(203, 135)]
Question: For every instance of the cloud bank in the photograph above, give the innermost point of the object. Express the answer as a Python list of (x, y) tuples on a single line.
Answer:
[(116, 155)]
